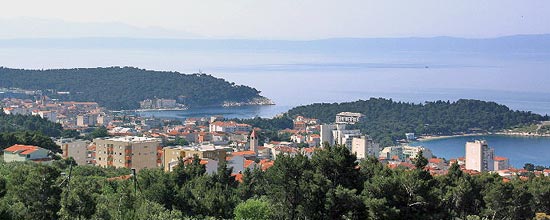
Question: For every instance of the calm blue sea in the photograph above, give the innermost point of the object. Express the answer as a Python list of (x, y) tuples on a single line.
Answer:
[(519, 80), (519, 150)]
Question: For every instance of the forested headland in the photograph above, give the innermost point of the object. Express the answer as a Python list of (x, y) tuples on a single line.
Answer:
[(387, 120), (330, 185), (122, 88)]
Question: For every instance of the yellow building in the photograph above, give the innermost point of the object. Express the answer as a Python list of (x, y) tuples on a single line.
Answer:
[(170, 155), (128, 151)]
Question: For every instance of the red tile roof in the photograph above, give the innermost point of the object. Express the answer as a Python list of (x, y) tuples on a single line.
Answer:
[(497, 158), (239, 153), (247, 163), (238, 177), (22, 149)]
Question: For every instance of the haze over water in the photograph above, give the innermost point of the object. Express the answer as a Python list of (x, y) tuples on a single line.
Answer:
[(292, 77)]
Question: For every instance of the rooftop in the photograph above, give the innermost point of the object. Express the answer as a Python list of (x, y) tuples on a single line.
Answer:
[(22, 149), (132, 139), (350, 114)]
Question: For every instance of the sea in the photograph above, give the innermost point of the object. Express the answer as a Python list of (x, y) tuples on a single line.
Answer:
[(518, 149), (518, 79)]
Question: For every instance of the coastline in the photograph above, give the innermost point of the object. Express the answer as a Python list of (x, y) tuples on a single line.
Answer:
[(516, 134), (438, 137)]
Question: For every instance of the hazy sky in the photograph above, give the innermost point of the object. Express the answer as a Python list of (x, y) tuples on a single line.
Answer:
[(273, 19)]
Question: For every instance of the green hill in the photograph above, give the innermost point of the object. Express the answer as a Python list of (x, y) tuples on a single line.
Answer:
[(120, 88), (387, 120)]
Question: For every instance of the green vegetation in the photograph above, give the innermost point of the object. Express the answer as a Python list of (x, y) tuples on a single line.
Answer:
[(387, 120), (122, 88), (8, 139), (532, 129), (98, 132), (177, 142), (330, 185), (28, 130), (13, 123)]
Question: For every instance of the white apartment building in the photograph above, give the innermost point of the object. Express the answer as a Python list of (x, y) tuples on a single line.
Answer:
[(411, 151), (349, 118), (364, 146), (479, 156), (229, 127), (345, 137)]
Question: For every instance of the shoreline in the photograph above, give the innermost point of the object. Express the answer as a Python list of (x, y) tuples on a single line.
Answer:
[(439, 137)]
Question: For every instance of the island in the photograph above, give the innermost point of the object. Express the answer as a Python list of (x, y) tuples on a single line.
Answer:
[(123, 88)]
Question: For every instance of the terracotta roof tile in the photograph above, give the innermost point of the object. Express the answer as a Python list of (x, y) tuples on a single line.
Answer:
[(22, 149)]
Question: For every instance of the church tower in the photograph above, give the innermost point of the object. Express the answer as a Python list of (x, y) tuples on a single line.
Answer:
[(253, 141)]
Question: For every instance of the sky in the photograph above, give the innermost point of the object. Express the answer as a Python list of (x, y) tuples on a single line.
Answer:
[(273, 19)]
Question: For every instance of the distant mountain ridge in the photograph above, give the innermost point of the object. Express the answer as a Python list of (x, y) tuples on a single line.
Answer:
[(121, 88), (515, 43)]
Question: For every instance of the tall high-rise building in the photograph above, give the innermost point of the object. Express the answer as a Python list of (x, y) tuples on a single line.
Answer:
[(479, 156)]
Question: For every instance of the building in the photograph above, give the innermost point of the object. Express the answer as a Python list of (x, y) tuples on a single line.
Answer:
[(49, 115), (345, 137), (479, 156), (349, 118), (76, 149), (364, 146), (389, 153), (158, 104), (333, 133), (229, 127), (253, 145), (501, 163), (411, 152), (171, 155), (410, 136), (326, 133), (86, 120), (103, 119), (128, 152), (26, 153)]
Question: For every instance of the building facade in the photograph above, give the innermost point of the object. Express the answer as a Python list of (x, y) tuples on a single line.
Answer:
[(26, 153), (76, 149), (171, 155), (349, 118), (229, 127), (479, 156), (128, 152), (364, 146)]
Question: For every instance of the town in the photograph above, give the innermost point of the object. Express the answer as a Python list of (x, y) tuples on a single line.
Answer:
[(138, 143)]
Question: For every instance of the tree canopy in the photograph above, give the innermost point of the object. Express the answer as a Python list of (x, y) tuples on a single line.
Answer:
[(120, 88), (12, 123), (330, 185), (387, 120)]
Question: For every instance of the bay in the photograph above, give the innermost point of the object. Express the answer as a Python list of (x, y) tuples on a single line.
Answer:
[(518, 149)]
